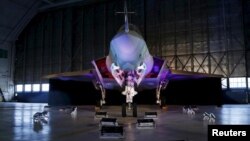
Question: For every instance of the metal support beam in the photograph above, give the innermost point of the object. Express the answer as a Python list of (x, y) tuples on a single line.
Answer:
[(105, 50), (208, 40), (191, 35), (245, 47), (42, 49), (67, 3), (145, 19), (226, 41), (82, 41), (24, 57), (175, 41), (60, 41), (48, 2)]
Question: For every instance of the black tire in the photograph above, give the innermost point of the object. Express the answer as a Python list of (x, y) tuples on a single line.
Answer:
[(134, 110), (98, 104), (124, 114), (163, 101)]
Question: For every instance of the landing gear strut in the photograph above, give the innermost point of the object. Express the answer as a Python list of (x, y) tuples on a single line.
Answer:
[(103, 94), (129, 92), (160, 100)]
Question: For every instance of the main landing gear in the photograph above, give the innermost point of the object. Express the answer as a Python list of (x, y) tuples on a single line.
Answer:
[(103, 94), (160, 99)]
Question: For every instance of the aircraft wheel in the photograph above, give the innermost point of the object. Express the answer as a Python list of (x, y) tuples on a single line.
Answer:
[(124, 110), (98, 104), (101, 103), (134, 110), (163, 102)]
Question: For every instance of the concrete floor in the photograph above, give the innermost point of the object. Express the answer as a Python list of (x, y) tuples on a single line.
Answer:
[(16, 123)]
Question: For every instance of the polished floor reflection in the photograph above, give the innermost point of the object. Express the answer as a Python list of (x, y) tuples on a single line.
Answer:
[(16, 122)]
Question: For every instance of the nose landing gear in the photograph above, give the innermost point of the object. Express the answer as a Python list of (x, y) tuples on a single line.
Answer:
[(129, 92)]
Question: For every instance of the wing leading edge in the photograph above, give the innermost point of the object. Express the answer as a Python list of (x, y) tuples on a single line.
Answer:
[(85, 75)]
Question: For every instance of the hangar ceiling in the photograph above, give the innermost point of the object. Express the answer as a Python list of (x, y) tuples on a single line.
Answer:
[(16, 14)]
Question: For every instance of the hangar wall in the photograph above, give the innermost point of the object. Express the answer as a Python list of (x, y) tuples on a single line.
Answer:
[(205, 36), (210, 36)]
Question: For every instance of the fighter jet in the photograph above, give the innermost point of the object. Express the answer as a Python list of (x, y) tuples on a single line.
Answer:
[(128, 67)]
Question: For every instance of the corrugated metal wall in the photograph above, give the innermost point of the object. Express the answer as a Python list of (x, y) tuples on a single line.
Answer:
[(208, 36), (246, 20)]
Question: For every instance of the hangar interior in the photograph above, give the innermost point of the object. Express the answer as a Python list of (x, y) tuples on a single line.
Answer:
[(41, 37)]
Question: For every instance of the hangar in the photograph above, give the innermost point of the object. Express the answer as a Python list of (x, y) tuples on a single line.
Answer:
[(43, 37)]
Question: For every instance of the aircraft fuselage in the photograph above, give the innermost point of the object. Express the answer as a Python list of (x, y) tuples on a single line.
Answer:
[(129, 51)]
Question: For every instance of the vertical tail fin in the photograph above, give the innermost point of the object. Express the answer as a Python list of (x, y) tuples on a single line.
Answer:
[(126, 16), (125, 12)]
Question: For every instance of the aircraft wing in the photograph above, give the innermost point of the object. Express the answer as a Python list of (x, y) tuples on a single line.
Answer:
[(150, 81), (99, 73), (157, 75), (170, 75), (86, 75), (181, 75)]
